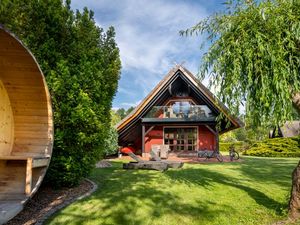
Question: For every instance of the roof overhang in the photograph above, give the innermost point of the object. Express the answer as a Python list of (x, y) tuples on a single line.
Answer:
[(164, 85)]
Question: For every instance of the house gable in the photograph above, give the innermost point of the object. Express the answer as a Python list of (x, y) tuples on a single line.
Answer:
[(178, 84)]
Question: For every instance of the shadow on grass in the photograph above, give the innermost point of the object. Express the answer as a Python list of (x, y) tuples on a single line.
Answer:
[(205, 178), (263, 170), (141, 197), (136, 197), (269, 170)]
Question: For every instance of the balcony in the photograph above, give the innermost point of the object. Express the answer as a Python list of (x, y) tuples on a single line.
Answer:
[(177, 113)]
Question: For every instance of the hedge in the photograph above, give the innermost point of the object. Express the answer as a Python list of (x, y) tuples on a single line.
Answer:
[(275, 147), (238, 146)]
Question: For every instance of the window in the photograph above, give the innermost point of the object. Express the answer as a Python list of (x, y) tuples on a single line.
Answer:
[(181, 139)]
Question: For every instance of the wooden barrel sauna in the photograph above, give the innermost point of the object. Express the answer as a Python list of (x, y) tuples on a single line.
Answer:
[(26, 125)]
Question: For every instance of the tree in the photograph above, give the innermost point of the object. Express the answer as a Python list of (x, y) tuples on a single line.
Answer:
[(123, 112), (248, 133), (111, 143), (81, 64), (254, 58), (129, 110), (115, 118)]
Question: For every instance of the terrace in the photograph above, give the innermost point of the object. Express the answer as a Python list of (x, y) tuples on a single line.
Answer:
[(180, 112)]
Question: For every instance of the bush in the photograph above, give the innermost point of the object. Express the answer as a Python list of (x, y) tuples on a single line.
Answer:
[(238, 145), (81, 64), (276, 147), (111, 142)]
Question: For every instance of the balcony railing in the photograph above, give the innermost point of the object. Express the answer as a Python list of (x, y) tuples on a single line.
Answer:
[(191, 112)]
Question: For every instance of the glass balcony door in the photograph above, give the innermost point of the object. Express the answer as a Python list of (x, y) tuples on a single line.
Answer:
[(181, 139)]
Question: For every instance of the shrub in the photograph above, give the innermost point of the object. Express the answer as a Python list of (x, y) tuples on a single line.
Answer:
[(238, 145), (81, 64), (276, 147), (111, 142)]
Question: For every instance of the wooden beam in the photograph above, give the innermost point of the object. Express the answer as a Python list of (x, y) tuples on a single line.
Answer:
[(28, 180), (40, 162), (216, 134), (151, 128), (217, 141), (189, 89), (212, 130), (170, 89), (143, 139)]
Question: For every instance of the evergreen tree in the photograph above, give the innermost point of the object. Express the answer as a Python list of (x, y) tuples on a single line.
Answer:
[(81, 64)]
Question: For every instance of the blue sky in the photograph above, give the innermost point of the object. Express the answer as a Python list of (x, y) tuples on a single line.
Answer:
[(147, 33)]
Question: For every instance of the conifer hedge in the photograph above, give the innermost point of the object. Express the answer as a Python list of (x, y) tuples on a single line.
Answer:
[(275, 147), (81, 64)]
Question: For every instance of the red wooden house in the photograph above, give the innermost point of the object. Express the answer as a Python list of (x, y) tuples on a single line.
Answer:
[(179, 112)]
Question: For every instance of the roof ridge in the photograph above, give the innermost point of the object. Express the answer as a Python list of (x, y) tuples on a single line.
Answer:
[(211, 97), (171, 72)]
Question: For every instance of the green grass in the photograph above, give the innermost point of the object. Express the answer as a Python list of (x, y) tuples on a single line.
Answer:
[(254, 191)]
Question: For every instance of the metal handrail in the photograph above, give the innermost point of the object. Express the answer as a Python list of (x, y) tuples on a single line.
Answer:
[(189, 112)]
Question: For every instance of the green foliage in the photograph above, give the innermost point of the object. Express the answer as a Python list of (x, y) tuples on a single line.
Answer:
[(276, 147), (129, 110), (239, 146), (111, 142), (254, 57), (115, 117), (248, 133), (81, 64), (123, 112)]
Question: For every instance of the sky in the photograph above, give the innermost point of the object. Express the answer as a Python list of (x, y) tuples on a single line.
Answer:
[(147, 34)]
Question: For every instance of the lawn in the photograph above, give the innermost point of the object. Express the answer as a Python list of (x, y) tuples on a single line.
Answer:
[(254, 191)]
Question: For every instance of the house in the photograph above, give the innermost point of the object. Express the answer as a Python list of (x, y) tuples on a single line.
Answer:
[(180, 112), (289, 129)]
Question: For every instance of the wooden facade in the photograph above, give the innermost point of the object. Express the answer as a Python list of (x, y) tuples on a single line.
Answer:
[(26, 126), (179, 112)]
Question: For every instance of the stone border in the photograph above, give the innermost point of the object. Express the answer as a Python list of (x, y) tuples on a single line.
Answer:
[(66, 203)]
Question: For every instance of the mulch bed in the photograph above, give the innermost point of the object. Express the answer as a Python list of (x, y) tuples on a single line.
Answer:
[(46, 200)]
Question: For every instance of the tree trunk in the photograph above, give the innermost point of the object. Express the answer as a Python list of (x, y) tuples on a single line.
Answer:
[(294, 204), (296, 102)]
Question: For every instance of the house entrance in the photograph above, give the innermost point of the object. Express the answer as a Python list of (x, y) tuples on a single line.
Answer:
[(181, 139)]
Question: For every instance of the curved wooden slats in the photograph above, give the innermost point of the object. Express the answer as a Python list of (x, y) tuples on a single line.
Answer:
[(26, 124)]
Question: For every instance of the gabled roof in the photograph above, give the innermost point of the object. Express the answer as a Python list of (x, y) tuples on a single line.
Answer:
[(289, 129), (136, 113)]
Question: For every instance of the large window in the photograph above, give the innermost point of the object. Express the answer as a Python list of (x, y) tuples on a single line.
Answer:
[(181, 139), (182, 107), (184, 110)]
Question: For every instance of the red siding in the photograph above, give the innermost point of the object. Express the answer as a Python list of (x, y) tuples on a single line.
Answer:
[(138, 144), (206, 139), (155, 136)]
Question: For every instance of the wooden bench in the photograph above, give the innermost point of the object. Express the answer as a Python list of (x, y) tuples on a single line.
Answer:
[(31, 162)]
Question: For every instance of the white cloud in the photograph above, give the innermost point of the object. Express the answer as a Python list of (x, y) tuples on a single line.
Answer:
[(129, 104), (125, 91), (147, 33)]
